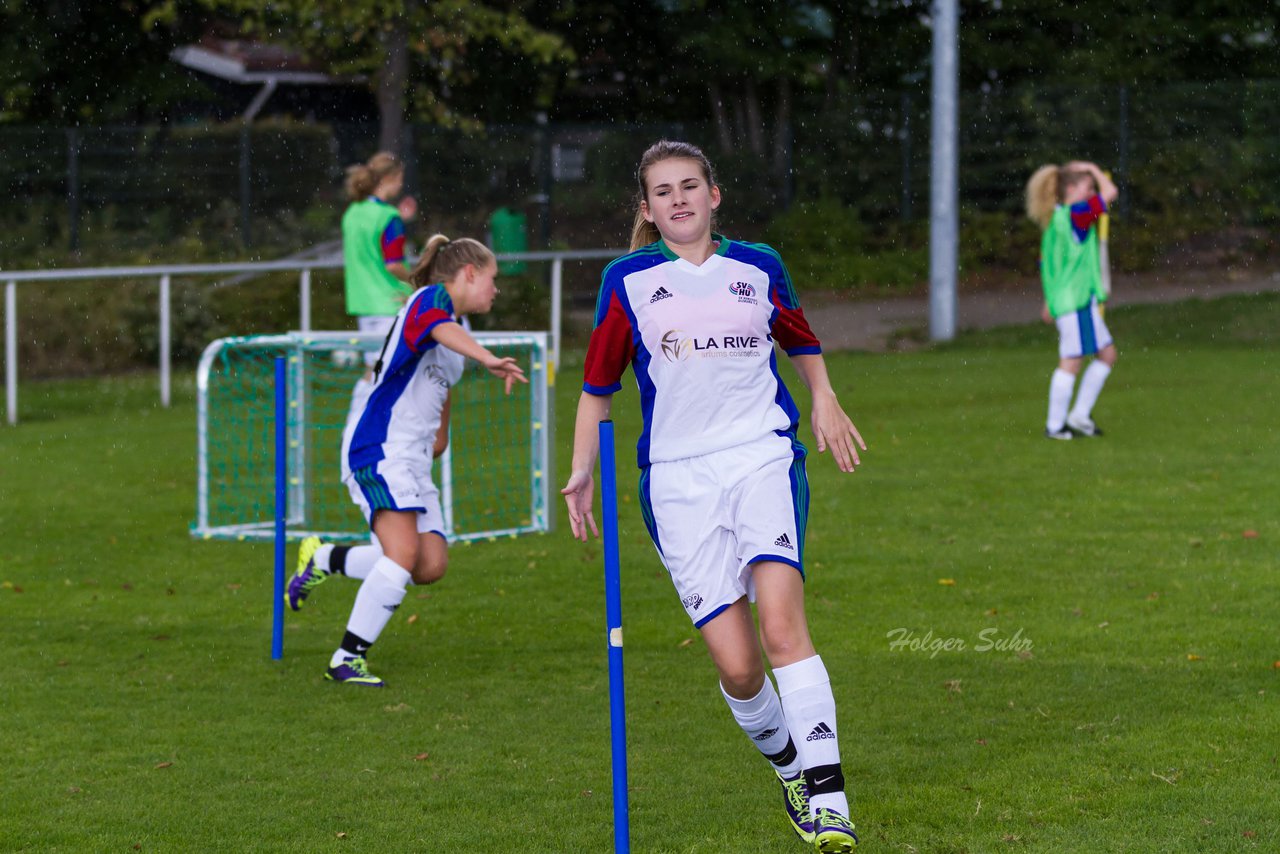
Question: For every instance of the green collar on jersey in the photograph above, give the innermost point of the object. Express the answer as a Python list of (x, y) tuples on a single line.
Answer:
[(722, 246)]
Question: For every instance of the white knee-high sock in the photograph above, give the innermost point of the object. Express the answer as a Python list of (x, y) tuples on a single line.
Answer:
[(762, 720), (1060, 388), (379, 596), (352, 561), (1095, 377), (810, 710)]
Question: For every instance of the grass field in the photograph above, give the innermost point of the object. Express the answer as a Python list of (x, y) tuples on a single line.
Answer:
[(1130, 579)]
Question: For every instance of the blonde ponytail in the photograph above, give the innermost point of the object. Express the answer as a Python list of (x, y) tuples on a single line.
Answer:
[(363, 178), (643, 232), (442, 258), (1043, 193)]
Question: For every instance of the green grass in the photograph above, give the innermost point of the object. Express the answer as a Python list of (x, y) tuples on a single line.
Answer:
[(140, 708)]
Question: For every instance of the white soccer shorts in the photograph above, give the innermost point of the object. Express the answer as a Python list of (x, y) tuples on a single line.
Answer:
[(396, 484), (711, 517), (1082, 333)]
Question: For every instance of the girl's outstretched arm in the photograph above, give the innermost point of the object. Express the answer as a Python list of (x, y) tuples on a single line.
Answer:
[(579, 492), (457, 339), (831, 426)]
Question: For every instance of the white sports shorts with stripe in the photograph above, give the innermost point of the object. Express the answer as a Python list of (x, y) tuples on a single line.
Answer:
[(711, 517), (1082, 333), (398, 484)]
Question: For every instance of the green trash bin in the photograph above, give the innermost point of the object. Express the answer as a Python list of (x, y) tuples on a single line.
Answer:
[(509, 232)]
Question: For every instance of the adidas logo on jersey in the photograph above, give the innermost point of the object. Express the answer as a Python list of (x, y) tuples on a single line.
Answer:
[(660, 294), (785, 542), (767, 734), (820, 732)]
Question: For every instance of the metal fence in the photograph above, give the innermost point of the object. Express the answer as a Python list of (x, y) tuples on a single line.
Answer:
[(1212, 143), (166, 274)]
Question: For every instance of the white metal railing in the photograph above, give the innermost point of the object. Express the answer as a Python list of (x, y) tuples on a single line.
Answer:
[(166, 274)]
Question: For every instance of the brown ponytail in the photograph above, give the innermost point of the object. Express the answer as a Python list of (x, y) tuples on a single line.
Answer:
[(363, 178), (442, 258)]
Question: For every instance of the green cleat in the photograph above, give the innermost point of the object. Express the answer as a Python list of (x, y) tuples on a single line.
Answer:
[(833, 833), (307, 577)]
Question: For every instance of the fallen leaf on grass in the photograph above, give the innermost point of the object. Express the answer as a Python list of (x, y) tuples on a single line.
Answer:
[(233, 586), (990, 612), (947, 582), (341, 834), (1191, 656), (74, 790), (126, 586), (982, 741), (586, 793), (164, 764), (1151, 597), (953, 686), (413, 618), (1276, 665), (1250, 534), (398, 707), (421, 757), (1250, 834), (688, 641)]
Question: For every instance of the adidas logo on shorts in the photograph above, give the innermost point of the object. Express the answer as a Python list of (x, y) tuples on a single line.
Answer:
[(660, 294), (820, 732), (785, 542)]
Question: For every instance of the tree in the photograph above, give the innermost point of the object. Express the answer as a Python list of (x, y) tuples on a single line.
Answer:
[(74, 61), (413, 51)]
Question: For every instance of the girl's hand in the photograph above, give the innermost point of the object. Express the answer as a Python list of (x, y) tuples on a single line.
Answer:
[(1045, 315), (408, 208), (578, 494), (506, 369), (833, 428)]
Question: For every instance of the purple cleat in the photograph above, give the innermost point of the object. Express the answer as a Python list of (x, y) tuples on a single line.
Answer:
[(307, 577), (354, 671), (795, 800)]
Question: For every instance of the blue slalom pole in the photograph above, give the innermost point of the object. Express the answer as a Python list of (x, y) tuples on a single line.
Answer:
[(613, 615), (282, 431)]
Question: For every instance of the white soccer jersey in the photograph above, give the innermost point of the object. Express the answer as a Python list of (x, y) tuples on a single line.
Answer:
[(700, 342), (412, 379)]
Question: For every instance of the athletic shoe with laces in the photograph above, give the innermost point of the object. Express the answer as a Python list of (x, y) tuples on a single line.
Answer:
[(1083, 426), (307, 576), (833, 833), (795, 800), (1061, 433), (355, 671)]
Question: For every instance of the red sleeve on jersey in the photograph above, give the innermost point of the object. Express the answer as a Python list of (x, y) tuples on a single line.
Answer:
[(393, 242), (1085, 214), (791, 329), (611, 349), (429, 310)]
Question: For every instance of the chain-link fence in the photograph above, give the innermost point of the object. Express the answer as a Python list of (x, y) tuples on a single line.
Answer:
[(1212, 147)]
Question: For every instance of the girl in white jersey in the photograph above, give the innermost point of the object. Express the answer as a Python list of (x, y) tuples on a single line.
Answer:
[(390, 442), (722, 483)]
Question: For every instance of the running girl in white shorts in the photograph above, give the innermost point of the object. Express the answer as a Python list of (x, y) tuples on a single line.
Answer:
[(723, 485), (390, 444)]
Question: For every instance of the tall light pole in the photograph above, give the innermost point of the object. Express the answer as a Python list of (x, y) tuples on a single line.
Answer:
[(944, 172)]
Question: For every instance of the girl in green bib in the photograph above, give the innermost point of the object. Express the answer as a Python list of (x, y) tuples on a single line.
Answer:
[(1067, 203)]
